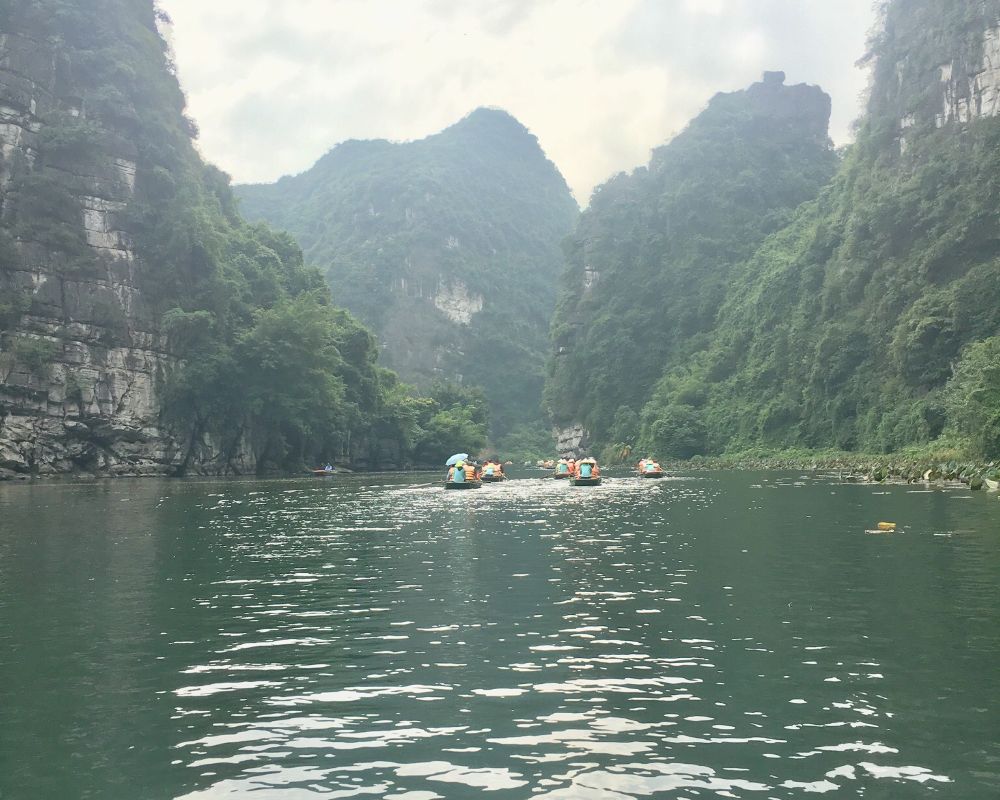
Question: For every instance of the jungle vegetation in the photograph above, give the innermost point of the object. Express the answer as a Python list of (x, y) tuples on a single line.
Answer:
[(863, 319), (470, 216), (265, 358)]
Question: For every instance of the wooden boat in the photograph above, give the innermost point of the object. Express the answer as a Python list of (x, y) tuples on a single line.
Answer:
[(586, 481), (323, 473), (656, 474), (495, 478), (561, 476), (463, 485)]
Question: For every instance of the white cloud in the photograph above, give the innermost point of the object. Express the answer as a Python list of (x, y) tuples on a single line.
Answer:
[(273, 84)]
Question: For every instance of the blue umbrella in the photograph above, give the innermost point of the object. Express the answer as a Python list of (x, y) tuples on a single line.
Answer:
[(456, 458)]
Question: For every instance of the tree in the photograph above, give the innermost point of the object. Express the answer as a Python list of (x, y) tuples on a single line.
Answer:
[(972, 397)]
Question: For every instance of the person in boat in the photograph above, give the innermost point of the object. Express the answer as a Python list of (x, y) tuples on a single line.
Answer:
[(642, 464), (562, 467), (457, 473), (470, 472), (572, 465), (651, 466), (328, 468), (490, 469), (587, 468)]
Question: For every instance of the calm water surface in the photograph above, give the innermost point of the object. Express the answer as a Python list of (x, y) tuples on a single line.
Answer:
[(719, 635)]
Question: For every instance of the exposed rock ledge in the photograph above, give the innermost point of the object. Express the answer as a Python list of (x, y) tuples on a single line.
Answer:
[(80, 370), (572, 442), (457, 303)]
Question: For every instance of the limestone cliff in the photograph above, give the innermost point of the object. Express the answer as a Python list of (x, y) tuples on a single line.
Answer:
[(108, 220), (936, 65), (80, 356)]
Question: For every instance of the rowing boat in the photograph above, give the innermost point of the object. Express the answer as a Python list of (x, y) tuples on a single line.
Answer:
[(463, 485)]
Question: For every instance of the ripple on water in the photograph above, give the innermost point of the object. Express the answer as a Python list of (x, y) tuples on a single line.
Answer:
[(550, 642)]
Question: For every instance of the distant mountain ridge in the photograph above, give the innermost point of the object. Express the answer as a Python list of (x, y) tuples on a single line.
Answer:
[(449, 247)]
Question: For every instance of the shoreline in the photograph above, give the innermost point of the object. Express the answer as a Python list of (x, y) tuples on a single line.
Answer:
[(90, 477), (853, 468), (908, 468)]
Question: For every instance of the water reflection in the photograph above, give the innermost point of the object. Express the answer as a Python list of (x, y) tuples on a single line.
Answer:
[(728, 636)]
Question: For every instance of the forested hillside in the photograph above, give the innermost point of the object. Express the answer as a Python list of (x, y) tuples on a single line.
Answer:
[(868, 323), (145, 327), (653, 255), (449, 247)]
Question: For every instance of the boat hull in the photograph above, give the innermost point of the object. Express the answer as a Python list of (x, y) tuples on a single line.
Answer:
[(653, 475), (463, 485), (494, 478), (586, 481), (562, 476)]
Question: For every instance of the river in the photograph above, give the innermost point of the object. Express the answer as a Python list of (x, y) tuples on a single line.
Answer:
[(710, 635)]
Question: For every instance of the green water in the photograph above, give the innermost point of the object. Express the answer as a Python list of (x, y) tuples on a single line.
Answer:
[(722, 635)]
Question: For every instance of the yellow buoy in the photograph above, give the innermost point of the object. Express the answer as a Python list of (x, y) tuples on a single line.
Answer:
[(887, 526)]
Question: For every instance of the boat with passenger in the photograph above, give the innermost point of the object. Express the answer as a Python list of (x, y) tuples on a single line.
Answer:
[(586, 473), (563, 469), (492, 472), (463, 475), (649, 468)]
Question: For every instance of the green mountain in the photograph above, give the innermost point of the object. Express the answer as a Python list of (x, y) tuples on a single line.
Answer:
[(448, 247), (652, 257), (869, 322), (145, 327)]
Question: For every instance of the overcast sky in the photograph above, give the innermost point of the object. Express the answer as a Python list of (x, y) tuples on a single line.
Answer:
[(274, 84)]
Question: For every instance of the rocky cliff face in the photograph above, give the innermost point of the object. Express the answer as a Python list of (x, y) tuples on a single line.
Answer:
[(448, 247), (936, 65), (79, 357), (974, 93)]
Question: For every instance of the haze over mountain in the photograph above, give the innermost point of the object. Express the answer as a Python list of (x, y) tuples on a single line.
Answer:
[(274, 84), (750, 288), (868, 322), (145, 327), (449, 247), (652, 257)]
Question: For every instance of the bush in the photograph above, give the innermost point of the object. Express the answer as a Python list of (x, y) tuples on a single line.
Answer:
[(972, 397), (678, 432), (35, 354)]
